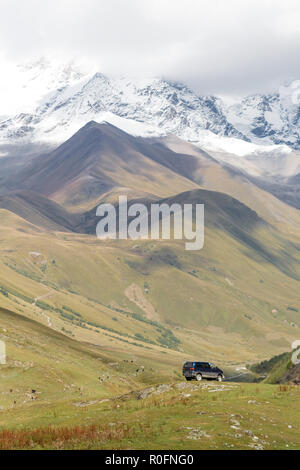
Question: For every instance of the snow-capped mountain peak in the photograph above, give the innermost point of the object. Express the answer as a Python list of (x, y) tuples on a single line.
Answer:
[(54, 99)]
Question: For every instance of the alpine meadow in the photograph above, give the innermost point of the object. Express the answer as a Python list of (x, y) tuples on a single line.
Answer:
[(114, 326)]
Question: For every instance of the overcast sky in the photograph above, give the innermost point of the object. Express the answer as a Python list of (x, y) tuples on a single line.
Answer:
[(216, 46)]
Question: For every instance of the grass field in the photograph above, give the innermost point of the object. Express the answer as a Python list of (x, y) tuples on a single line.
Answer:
[(172, 416)]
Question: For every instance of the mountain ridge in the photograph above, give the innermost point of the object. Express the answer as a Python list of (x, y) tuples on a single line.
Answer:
[(151, 106), (100, 161)]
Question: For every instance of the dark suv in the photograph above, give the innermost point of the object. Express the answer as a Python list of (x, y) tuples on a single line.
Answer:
[(202, 370)]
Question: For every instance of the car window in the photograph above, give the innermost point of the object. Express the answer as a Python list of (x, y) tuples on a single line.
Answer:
[(188, 364)]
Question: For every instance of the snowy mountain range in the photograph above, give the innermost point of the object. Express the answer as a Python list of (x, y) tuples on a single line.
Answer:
[(51, 100)]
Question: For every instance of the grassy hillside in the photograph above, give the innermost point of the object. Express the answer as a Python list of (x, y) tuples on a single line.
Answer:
[(241, 289), (271, 370), (278, 370), (59, 367)]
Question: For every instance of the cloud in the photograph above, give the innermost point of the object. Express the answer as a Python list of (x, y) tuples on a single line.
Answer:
[(217, 47)]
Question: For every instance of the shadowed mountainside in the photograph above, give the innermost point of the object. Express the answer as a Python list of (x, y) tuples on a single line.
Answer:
[(40, 211), (101, 161), (97, 159)]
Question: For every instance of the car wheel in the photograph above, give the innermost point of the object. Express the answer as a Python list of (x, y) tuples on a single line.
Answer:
[(199, 377), (220, 378)]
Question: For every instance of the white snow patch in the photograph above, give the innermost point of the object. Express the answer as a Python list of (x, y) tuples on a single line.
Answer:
[(239, 147)]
